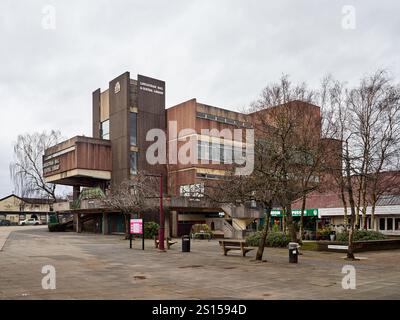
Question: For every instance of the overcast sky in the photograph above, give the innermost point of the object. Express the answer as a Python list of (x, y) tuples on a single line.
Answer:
[(222, 52)]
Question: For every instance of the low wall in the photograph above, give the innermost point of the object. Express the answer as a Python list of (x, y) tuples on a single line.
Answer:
[(359, 246)]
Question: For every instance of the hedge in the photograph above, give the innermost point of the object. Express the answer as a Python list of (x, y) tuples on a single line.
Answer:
[(274, 239), (360, 235)]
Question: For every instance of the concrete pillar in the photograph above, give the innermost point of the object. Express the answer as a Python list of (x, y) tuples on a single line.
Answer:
[(105, 223), (76, 192), (174, 221), (78, 223), (166, 225)]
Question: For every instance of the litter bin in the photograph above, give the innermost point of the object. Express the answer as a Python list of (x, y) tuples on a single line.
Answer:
[(293, 252), (185, 243)]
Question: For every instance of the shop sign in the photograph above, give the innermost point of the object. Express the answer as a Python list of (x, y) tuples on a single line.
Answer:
[(296, 213)]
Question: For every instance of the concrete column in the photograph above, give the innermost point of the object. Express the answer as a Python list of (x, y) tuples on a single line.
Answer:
[(174, 221), (166, 225), (76, 192), (105, 223), (79, 223)]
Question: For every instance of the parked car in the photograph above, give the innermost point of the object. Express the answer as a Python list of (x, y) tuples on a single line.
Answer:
[(5, 223), (30, 222)]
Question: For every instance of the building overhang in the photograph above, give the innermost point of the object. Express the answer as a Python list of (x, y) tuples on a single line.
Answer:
[(82, 177), (80, 161)]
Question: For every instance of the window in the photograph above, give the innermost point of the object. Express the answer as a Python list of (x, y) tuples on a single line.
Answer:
[(203, 150), (389, 224), (397, 224), (215, 152), (133, 161), (192, 190), (133, 128), (105, 130), (381, 223), (226, 154)]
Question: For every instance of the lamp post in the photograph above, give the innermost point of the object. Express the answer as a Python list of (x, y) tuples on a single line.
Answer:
[(161, 231)]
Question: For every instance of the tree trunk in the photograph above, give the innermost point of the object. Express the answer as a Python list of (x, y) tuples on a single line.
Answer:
[(373, 226), (350, 253), (290, 225), (303, 208), (127, 225), (264, 233)]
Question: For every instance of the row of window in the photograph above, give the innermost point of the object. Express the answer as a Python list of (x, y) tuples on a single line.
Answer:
[(218, 152), (212, 117), (389, 224), (105, 129), (209, 176)]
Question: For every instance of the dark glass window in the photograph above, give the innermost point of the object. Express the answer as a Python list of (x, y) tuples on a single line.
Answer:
[(389, 224), (133, 160), (397, 224), (381, 223), (105, 130), (133, 128)]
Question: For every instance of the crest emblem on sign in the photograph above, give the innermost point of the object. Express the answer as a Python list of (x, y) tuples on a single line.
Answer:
[(117, 87)]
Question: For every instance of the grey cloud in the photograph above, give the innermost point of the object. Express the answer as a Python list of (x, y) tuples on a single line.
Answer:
[(222, 52)]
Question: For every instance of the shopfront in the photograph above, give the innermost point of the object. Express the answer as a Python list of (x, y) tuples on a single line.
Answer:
[(310, 219)]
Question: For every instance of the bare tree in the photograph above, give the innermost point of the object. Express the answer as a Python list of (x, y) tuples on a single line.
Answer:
[(27, 168), (367, 122), (259, 187), (285, 115), (139, 194)]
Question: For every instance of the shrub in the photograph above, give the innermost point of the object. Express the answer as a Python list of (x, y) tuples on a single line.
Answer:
[(274, 239), (360, 235), (56, 227), (150, 229), (199, 227)]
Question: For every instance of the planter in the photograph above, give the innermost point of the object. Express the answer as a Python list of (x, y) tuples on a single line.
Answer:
[(333, 237)]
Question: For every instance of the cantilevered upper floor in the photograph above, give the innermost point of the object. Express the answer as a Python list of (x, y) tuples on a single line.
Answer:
[(79, 161)]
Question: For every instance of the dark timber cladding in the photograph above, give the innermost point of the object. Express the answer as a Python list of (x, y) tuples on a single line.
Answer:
[(119, 133), (151, 114)]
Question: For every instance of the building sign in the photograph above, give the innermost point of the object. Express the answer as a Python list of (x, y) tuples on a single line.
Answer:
[(296, 213), (51, 166), (152, 88), (136, 226)]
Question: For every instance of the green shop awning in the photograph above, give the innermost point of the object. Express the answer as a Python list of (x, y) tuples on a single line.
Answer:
[(296, 213)]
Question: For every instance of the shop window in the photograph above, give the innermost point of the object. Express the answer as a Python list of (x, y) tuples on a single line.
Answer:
[(397, 224)]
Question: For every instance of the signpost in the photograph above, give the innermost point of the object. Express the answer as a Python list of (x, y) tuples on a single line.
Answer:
[(136, 227)]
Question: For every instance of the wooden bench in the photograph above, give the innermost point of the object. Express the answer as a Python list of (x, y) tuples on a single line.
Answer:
[(228, 245), (169, 242)]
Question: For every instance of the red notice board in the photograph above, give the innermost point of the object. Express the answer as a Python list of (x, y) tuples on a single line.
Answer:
[(136, 226)]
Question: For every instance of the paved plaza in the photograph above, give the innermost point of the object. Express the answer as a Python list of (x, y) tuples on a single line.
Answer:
[(92, 266)]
